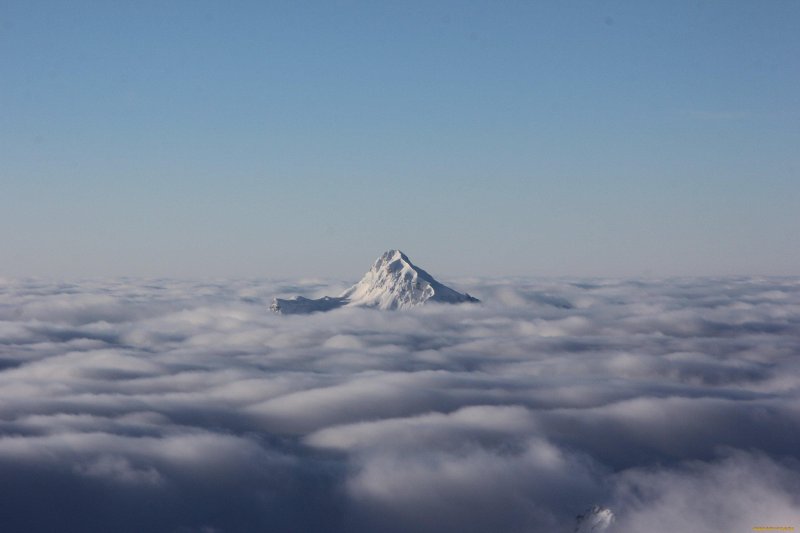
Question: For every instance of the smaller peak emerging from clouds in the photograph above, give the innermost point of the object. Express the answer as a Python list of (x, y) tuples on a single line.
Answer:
[(393, 282), (598, 519)]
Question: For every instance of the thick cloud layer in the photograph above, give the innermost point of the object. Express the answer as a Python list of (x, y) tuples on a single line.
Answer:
[(176, 406)]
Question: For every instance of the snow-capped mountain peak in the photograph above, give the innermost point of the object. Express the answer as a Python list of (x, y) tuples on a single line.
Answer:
[(393, 282)]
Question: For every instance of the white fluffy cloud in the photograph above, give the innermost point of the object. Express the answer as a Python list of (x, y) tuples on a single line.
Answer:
[(675, 403)]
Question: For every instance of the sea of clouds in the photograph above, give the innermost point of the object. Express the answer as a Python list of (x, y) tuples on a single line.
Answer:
[(157, 405)]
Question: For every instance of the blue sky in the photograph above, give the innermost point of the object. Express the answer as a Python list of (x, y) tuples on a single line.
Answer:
[(482, 138)]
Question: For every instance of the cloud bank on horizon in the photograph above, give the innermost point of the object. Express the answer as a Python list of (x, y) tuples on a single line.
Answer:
[(185, 406)]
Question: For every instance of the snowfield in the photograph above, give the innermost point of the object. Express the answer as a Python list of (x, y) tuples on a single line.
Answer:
[(175, 406)]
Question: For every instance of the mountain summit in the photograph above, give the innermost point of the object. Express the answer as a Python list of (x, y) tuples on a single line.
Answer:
[(393, 282), (597, 519)]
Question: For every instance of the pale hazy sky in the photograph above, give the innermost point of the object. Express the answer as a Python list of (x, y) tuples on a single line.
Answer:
[(482, 138)]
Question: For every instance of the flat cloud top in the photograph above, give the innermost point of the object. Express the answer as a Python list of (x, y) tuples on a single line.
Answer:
[(674, 403)]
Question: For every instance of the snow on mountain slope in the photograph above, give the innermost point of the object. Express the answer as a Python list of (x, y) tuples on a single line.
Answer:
[(393, 282)]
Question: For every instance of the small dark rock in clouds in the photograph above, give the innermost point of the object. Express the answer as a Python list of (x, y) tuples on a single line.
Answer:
[(175, 406)]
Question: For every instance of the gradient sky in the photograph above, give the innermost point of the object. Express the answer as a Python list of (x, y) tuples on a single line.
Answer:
[(482, 138)]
